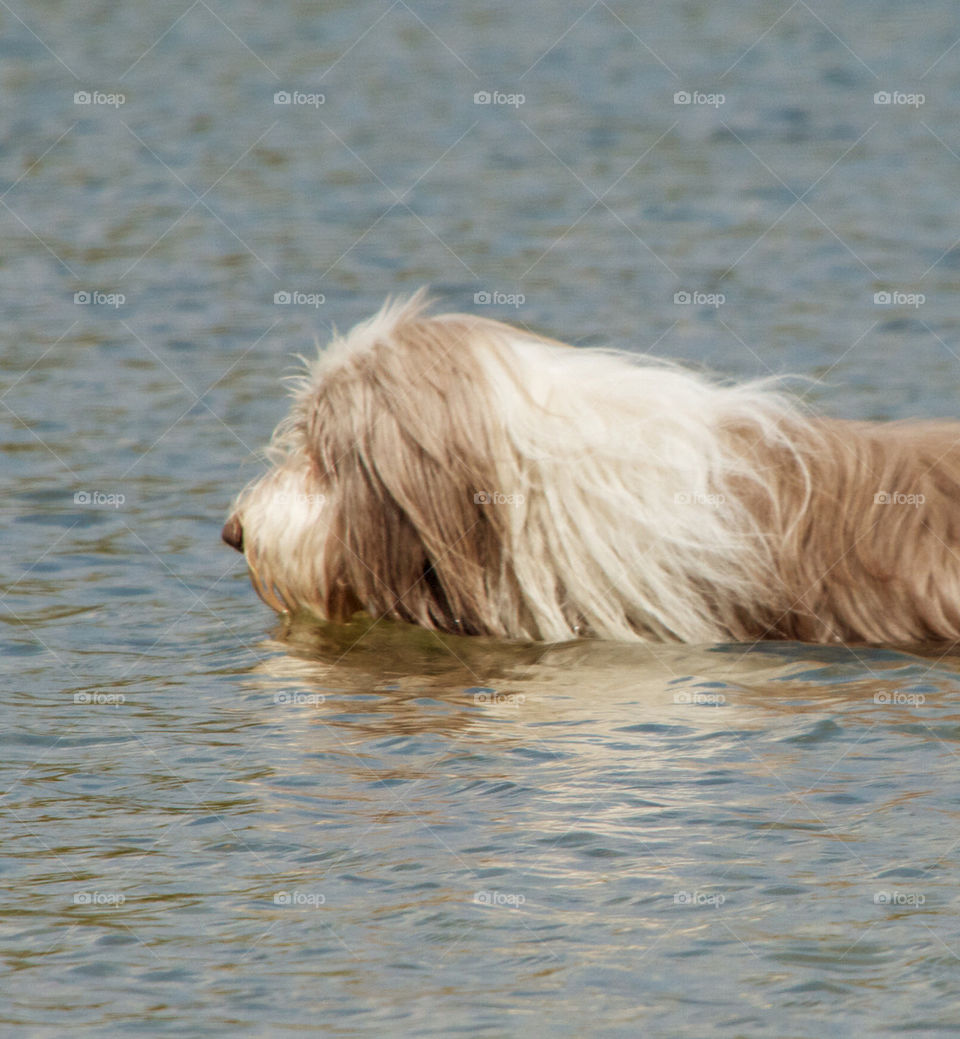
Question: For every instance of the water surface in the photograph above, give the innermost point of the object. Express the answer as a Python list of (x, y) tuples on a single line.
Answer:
[(216, 825)]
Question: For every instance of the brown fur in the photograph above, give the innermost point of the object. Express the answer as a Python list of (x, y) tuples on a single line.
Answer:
[(850, 568)]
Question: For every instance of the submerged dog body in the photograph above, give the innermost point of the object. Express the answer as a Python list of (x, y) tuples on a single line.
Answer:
[(472, 477)]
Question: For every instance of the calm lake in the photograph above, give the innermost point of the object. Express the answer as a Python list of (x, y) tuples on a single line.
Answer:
[(216, 824)]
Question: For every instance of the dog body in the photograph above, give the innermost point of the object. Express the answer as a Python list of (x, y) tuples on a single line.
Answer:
[(468, 476)]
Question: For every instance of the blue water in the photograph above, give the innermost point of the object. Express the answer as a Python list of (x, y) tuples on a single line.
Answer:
[(213, 825)]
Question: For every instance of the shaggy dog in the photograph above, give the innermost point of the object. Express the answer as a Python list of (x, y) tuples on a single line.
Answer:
[(472, 477)]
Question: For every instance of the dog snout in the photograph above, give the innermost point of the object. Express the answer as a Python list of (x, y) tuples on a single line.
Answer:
[(232, 533)]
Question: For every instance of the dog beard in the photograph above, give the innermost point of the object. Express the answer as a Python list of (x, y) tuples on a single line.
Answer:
[(468, 476)]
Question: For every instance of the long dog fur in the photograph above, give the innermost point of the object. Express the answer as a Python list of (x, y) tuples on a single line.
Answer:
[(468, 476)]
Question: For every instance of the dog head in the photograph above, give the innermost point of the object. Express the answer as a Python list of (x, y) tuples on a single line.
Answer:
[(393, 484)]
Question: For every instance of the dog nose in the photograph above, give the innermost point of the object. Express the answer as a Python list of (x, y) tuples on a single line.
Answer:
[(232, 533)]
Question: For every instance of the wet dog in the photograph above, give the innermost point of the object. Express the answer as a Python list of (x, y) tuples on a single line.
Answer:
[(469, 476)]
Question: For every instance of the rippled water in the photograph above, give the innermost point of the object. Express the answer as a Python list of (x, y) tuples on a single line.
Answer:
[(213, 825)]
